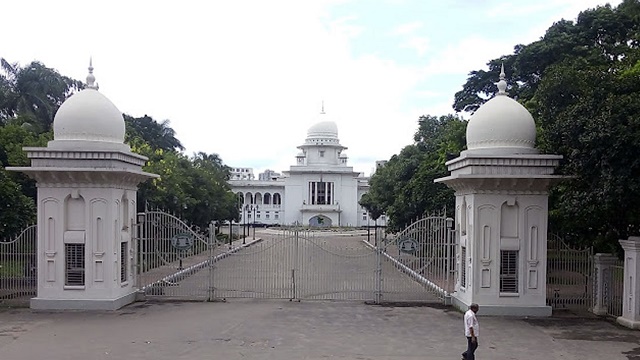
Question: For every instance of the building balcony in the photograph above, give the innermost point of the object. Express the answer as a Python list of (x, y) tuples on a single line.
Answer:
[(320, 208), (264, 206)]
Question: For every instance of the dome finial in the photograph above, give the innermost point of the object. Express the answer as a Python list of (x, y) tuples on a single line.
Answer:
[(502, 84), (322, 110), (91, 80)]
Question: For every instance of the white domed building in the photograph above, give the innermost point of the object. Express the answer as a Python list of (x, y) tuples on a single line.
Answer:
[(320, 189), (501, 185), (87, 180)]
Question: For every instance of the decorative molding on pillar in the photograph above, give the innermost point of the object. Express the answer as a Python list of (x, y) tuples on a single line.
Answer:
[(632, 244), (631, 295)]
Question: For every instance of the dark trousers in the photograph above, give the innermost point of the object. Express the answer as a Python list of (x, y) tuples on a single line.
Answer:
[(471, 349)]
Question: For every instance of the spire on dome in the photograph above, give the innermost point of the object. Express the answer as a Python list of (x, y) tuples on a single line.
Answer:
[(91, 80), (502, 84), (322, 111)]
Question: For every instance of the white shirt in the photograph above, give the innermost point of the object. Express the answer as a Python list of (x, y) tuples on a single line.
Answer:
[(470, 321)]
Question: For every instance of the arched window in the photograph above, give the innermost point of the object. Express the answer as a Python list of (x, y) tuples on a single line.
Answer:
[(276, 199), (249, 198), (267, 199), (240, 198), (258, 199)]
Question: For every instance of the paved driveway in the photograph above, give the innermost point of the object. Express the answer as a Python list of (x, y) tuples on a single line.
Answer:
[(279, 329)]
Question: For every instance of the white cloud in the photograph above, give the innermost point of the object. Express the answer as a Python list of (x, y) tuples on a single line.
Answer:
[(407, 28), (468, 54), (419, 44), (410, 38)]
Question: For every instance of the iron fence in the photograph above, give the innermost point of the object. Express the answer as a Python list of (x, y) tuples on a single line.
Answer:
[(18, 267), (425, 251), (613, 289), (570, 280)]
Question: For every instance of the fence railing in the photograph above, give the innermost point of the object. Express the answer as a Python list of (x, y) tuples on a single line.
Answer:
[(613, 289), (570, 280), (425, 251), (18, 267)]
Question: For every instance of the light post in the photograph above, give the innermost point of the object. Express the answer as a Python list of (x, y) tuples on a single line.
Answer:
[(368, 228), (244, 227), (254, 221), (449, 224), (375, 233), (338, 203)]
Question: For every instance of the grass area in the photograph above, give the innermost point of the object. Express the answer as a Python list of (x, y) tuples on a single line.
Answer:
[(11, 268)]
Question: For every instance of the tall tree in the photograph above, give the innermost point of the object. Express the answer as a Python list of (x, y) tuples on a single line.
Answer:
[(159, 135), (35, 92), (403, 188)]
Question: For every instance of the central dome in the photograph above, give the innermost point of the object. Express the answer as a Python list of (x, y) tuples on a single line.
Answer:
[(324, 130), (501, 126), (89, 116)]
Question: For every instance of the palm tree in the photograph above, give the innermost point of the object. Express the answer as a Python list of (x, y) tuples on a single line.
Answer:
[(159, 135), (34, 93)]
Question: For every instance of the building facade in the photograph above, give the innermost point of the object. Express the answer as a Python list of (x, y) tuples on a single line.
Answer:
[(319, 190), (241, 173)]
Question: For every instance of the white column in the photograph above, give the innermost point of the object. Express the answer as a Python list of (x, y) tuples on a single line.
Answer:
[(602, 262), (631, 296)]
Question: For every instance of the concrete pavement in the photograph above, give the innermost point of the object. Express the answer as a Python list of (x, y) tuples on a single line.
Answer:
[(279, 329)]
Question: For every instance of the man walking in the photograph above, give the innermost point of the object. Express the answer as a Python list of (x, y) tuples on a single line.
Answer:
[(471, 331)]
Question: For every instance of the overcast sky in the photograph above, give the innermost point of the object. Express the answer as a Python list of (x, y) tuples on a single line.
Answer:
[(246, 79)]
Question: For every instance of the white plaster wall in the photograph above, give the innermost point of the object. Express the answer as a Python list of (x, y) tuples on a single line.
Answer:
[(102, 236), (484, 241)]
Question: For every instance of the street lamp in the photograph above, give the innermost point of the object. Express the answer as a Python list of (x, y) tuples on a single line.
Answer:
[(338, 203), (449, 249), (244, 227), (254, 221)]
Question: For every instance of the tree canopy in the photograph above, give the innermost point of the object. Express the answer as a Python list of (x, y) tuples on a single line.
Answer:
[(403, 188)]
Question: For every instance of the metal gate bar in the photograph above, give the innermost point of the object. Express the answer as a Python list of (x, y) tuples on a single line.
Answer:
[(570, 275), (171, 255), (18, 267)]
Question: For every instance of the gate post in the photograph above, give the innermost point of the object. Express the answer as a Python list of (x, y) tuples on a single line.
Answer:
[(211, 245), (378, 275), (295, 264), (631, 295), (602, 265)]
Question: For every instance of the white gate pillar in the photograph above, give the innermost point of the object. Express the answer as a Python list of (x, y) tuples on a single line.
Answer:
[(602, 263), (631, 296), (501, 184)]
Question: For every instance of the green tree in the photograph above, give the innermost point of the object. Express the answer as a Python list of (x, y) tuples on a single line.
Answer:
[(16, 209), (403, 188), (158, 134), (33, 92)]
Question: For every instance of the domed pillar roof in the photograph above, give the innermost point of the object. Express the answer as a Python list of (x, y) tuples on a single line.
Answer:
[(501, 126), (88, 119)]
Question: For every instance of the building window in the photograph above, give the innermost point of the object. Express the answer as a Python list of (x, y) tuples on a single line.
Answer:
[(509, 271), (321, 153), (321, 193), (463, 267), (267, 216), (74, 264), (124, 249), (364, 217), (258, 215), (276, 216)]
